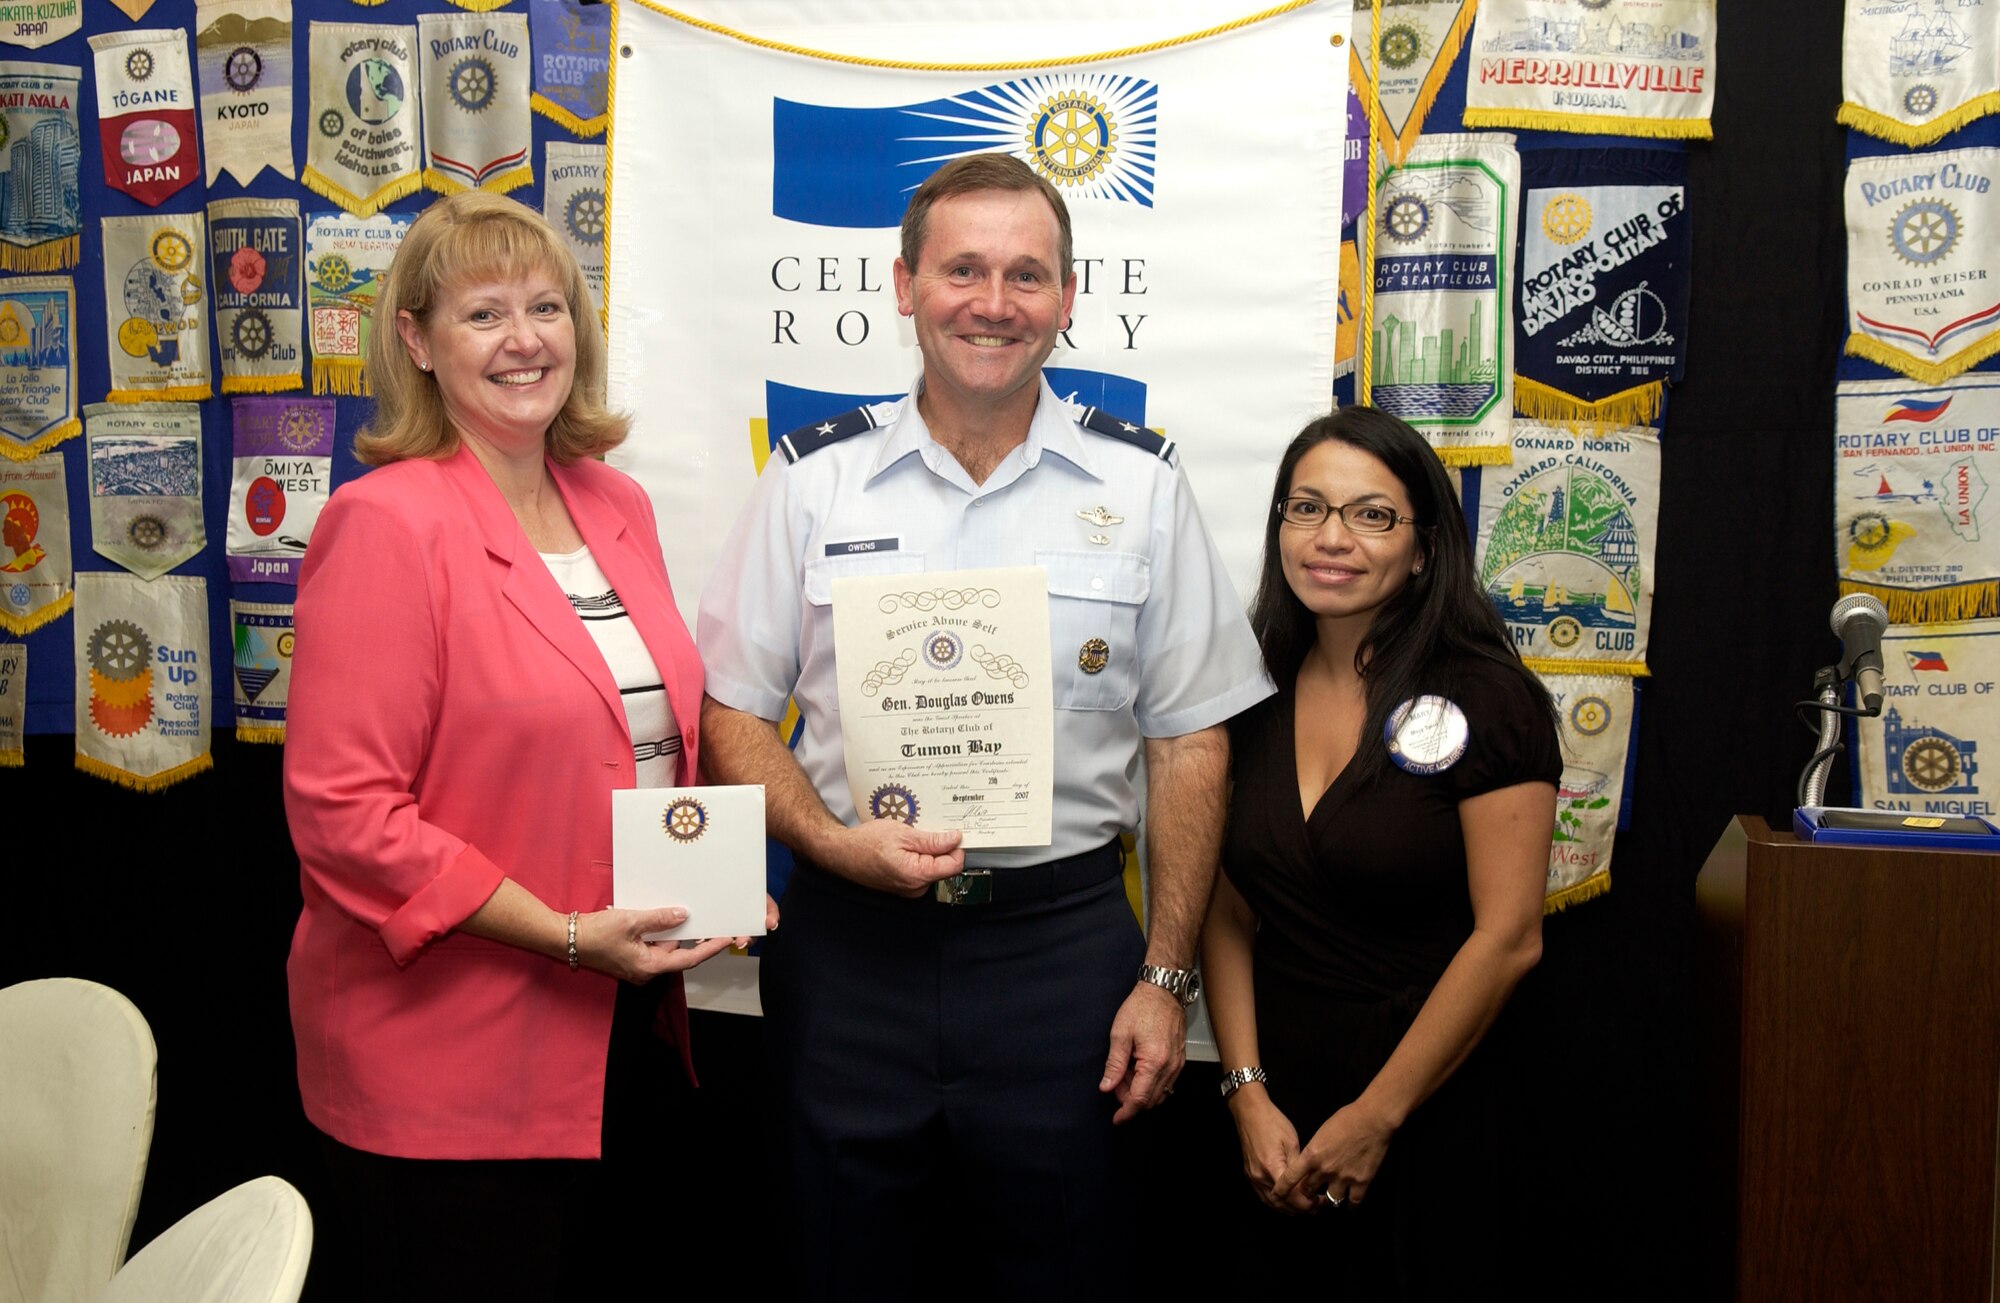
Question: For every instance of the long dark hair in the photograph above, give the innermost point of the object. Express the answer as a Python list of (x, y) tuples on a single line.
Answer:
[(1424, 635)]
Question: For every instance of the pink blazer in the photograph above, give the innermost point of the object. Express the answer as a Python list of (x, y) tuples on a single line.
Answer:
[(450, 721)]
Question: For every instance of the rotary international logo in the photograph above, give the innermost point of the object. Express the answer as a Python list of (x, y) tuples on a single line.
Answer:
[(1072, 138), (685, 820)]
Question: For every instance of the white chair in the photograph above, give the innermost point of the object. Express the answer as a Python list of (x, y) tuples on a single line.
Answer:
[(247, 1245), (76, 1123)]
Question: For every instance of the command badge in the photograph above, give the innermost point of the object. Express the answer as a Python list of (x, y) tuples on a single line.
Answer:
[(1093, 656)]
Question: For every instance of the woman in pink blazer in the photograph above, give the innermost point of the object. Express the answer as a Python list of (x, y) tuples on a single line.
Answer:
[(487, 646)]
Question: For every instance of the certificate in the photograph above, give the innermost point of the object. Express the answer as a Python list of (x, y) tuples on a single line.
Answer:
[(701, 848), (947, 710)]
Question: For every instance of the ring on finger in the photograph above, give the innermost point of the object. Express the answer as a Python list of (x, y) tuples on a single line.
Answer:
[(1332, 1201)]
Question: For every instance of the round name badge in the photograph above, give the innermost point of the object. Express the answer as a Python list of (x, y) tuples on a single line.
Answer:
[(1426, 735)]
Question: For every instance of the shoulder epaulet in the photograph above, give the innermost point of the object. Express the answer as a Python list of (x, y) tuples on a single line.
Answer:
[(1151, 441), (808, 439)]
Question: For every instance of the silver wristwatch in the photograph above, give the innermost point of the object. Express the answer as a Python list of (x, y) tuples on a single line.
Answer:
[(1184, 984), (1237, 1078)]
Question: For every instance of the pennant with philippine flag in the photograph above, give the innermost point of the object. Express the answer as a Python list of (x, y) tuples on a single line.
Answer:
[(1940, 703), (817, 123), (1915, 521), (1923, 261)]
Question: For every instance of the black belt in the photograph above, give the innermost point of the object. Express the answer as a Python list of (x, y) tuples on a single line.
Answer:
[(1032, 882)]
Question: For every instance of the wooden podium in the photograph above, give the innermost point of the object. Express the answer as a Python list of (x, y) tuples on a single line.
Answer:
[(1849, 1005)]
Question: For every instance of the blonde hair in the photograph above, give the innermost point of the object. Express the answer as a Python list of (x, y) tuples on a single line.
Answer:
[(466, 238)]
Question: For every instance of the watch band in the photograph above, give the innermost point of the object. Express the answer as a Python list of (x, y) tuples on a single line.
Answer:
[(1184, 984), (1237, 1078)]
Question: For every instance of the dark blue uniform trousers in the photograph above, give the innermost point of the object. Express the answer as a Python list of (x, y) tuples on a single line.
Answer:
[(936, 1070)]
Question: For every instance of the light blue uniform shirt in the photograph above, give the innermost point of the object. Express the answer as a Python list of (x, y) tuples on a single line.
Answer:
[(891, 500)]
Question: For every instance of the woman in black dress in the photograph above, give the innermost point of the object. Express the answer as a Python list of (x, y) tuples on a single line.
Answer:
[(1383, 876)]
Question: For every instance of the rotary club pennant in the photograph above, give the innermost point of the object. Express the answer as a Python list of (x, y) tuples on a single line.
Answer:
[(145, 484), (145, 112), (244, 50), (346, 258), (573, 201), (363, 137), (41, 22), (156, 308), (1923, 261), (13, 704), (1565, 547), (133, 9), (255, 249), (41, 218), (572, 52), (1921, 754), (34, 543), (1604, 284), (1442, 335), (262, 666), (1614, 67), (1595, 716), (37, 364), (283, 472), (142, 678), (478, 130), (1419, 42), (1915, 73), (1915, 520)]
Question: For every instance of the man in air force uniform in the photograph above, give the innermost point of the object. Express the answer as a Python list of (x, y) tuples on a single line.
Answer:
[(954, 1034)]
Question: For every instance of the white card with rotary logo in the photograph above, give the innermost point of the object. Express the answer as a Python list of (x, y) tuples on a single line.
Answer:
[(701, 848), (947, 699)]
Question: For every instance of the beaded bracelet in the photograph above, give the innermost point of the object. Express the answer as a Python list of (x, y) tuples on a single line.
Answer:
[(572, 941)]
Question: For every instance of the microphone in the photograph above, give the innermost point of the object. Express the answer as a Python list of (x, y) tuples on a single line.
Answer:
[(1859, 621)]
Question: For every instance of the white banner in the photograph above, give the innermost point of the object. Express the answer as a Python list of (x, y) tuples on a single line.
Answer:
[(1206, 249), (1938, 702), (1616, 67)]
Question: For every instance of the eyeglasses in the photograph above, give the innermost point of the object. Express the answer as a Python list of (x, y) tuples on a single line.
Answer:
[(1358, 517)]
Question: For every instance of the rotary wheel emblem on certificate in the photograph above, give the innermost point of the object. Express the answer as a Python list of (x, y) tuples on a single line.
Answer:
[(893, 801), (685, 820)]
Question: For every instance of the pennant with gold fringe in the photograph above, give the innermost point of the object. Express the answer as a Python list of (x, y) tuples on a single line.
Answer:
[(282, 473), (1915, 523), (13, 704), (1596, 717), (573, 201), (1604, 284), (1608, 67), (1420, 41), (362, 144), (41, 23), (478, 131), (1441, 333), (1565, 547), (479, 6), (156, 307), (35, 577), (262, 668), (1939, 703), (145, 484), (572, 63), (257, 259), (244, 50), (1923, 261), (1913, 74), (146, 113), (346, 258), (41, 220), (142, 678), (37, 365)]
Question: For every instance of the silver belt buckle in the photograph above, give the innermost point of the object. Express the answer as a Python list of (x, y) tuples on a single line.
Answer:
[(972, 887)]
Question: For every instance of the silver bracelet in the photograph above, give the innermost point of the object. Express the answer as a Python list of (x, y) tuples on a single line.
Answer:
[(1237, 1078), (572, 941)]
